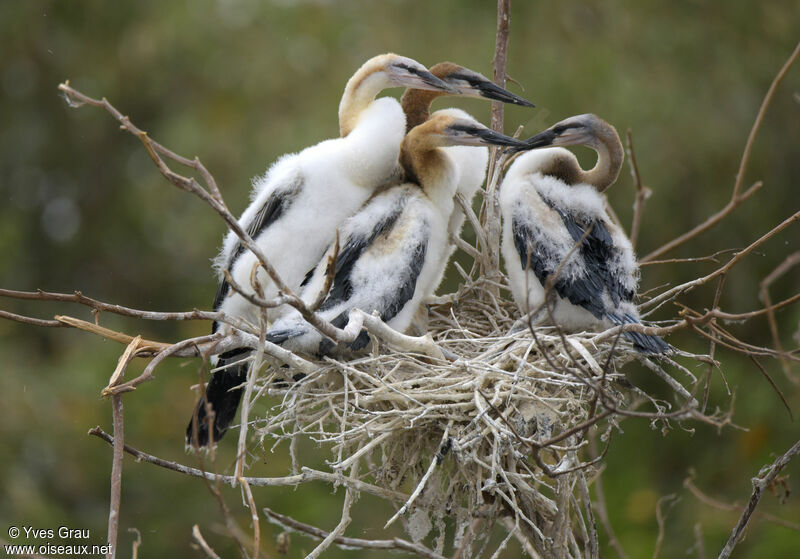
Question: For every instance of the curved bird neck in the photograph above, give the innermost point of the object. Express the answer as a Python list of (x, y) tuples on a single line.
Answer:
[(610, 156), (360, 91), (428, 166), (564, 166), (416, 105)]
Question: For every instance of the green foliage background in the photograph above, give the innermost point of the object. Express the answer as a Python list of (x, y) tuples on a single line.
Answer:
[(239, 82)]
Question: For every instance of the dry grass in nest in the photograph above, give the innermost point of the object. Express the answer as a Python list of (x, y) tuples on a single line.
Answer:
[(489, 434)]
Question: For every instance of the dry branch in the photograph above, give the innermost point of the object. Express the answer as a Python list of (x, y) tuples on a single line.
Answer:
[(761, 482), (477, 420), (737, 196)]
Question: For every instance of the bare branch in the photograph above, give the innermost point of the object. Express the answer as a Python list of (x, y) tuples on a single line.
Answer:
[(642, 192), (198, 537), (737, 196), (790, 261), (761, 482), (491, 200), (395, 544), (118, 445)]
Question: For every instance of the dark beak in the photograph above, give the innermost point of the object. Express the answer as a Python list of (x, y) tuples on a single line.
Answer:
[(434, 82), (480, 136), (493, 91), (497, 139), (540, 140)]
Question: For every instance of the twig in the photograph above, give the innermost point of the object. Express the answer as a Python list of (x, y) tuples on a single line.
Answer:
[(689, 484), (118, 446), (211, 197), (373, 324), (136, 543), (421, 485), (790, 261), (670, 501), (146, 345), (500, 58), (80, 298), (592, 547), (602, 508), (737, 196), (116, 476), (344, 520), (689, 285), (642, 192), (32, 321), (492, 200), (761, 482), (395, 544), (309, 474), (198, 537)]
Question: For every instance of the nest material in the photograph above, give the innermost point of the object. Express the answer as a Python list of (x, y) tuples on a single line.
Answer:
[(468, 438)]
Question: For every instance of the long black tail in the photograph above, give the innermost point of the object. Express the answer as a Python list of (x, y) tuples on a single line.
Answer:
[(223, 397), (644, 343)]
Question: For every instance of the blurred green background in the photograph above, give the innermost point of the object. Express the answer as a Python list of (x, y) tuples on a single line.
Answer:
[(239, 82)]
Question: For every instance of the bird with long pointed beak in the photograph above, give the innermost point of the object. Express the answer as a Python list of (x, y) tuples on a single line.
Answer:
[(567, 261), (471, 160), (297, 206), (393, 250)]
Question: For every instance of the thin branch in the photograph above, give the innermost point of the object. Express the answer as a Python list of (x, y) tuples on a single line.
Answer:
[(32, 321), (189, 184), (344, 519), (670, 501), (761, 482), (689, 285), (118, 446), (395, 544), (308, 474), (198, 537), (500, 58), (136, 543), (737, 196), (642, 192), (790, 261), (421, 485), (80, 298), (492, 200), (602, 508)]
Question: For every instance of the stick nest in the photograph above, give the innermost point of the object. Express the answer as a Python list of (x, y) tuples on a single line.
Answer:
[(487, 434)]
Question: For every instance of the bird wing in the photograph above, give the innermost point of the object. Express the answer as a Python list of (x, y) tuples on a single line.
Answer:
[(539, 254), (377, 270), (598, 251), (270, 211)]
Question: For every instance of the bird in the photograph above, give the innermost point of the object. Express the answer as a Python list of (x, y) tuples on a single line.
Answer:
[(298, 204), (471, 160), (557, 234), (394, 248)]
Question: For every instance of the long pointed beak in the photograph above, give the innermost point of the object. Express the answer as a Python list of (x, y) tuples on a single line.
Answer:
[(480, 136), (497, 139), (422, 79), (490, 90), (540, 140)]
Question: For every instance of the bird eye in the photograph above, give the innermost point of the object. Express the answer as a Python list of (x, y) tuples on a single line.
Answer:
[(406, 67), (561, 128)]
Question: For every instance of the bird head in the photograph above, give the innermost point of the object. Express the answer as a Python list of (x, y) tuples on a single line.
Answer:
[(449, 130), (401, 71), (573, 131), (473, 84)]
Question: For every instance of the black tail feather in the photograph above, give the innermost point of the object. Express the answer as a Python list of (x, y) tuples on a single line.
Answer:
[(224, 399), (643, 343)]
